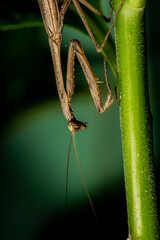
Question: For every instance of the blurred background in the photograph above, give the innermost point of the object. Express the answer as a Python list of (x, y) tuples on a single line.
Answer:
[(35, 138)]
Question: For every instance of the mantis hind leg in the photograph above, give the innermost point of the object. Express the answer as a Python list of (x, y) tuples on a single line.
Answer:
[(84, 20)]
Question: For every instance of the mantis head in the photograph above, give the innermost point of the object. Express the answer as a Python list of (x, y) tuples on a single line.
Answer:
[(75, 125)]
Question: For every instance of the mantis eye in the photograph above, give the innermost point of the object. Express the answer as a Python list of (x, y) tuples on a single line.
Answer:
[(75, 125)]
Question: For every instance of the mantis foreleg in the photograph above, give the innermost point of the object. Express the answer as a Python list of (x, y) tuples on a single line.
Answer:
[(75, 48)]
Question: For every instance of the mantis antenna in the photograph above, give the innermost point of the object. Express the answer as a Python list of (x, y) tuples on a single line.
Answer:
[(67, 170), (85, 186)]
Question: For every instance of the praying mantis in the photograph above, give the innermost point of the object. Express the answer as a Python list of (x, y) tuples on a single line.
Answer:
[(53, 14)]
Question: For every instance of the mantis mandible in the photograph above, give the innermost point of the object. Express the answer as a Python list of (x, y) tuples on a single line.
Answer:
[(53, 13)]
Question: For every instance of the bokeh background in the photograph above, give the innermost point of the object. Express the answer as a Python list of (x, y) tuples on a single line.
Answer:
[(35, 139)]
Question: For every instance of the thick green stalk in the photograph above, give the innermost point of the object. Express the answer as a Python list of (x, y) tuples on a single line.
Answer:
[(136, 120)]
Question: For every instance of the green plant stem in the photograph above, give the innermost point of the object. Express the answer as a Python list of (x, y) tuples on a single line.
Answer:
[(136, 120)]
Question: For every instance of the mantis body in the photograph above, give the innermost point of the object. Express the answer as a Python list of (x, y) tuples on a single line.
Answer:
[(53, 13)]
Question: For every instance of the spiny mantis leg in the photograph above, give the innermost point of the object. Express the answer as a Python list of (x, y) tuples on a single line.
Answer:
[(75, 48)]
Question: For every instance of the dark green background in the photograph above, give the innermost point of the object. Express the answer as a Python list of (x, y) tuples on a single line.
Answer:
[(35, 137)]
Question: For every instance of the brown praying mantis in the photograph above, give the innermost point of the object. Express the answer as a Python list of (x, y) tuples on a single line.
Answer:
[(53, 14)]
